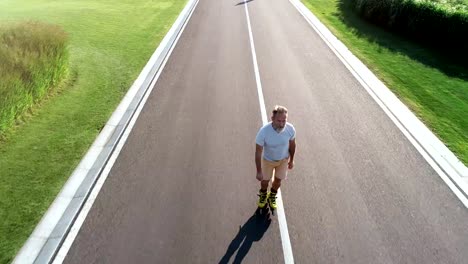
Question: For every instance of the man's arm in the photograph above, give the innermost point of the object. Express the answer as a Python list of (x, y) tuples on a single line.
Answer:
[(258, 157), (292, 151)]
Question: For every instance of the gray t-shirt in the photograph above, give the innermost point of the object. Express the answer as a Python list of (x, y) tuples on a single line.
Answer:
[(275, 145)]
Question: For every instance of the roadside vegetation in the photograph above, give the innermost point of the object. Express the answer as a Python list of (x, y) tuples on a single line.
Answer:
[(418, 49), (75, 63)]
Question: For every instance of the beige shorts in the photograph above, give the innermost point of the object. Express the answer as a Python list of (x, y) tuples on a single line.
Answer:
[(277, 168)]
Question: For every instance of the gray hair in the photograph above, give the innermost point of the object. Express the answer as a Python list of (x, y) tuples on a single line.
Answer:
[(278, 109)]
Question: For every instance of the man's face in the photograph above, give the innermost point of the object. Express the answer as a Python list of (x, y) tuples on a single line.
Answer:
[(279, 121)]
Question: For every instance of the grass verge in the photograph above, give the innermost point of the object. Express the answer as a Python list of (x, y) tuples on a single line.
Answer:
[(109, 44)]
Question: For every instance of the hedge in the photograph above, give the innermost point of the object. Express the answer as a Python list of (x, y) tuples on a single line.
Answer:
[(442, 24)]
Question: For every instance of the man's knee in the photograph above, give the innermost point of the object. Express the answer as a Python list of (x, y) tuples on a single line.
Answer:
[(276, 181)]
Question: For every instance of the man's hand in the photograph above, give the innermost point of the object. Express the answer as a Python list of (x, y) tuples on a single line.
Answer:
[(291, 164), (259, 176)]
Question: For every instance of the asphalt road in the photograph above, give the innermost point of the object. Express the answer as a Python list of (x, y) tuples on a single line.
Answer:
[(183, 189)]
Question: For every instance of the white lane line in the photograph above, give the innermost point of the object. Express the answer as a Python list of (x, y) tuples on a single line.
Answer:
[(60, 257), (257, 73), (287, 249)]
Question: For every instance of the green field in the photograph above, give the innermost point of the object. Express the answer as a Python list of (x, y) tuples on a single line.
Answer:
[(110, 42), (431, 85)]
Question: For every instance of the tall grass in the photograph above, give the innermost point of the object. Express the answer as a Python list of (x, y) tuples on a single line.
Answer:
[(33, 58)]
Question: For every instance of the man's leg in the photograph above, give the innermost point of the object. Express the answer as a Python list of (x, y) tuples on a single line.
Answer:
[(263, 194), (280, 174), (273, 191), (281, 171), (275, 185), (267, 170), (264, 185)]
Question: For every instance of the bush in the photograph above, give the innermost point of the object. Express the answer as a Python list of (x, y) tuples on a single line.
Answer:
[(33, 59), (441, 24)]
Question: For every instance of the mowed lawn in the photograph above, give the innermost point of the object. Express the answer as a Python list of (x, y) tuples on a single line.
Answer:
[(110, 42), (428, 82)]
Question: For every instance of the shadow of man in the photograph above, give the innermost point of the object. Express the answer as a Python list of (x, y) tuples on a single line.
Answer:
[(244, 2), (251, 231)]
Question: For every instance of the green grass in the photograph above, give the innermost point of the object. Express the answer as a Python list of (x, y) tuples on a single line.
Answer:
[(110, 42), (432, 86)]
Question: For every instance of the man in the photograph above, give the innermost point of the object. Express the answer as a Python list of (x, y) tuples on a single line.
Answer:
[(277, 141)]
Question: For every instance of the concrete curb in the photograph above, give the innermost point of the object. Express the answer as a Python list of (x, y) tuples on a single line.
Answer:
[(48, 236), (444, 162)]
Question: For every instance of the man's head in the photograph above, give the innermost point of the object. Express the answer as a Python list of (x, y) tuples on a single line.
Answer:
[(279, 117)]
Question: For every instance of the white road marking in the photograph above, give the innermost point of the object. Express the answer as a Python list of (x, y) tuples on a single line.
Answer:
[(287, 249)]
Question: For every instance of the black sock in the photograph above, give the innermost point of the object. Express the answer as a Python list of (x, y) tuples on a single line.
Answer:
[(263, 191), (273, 191)]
